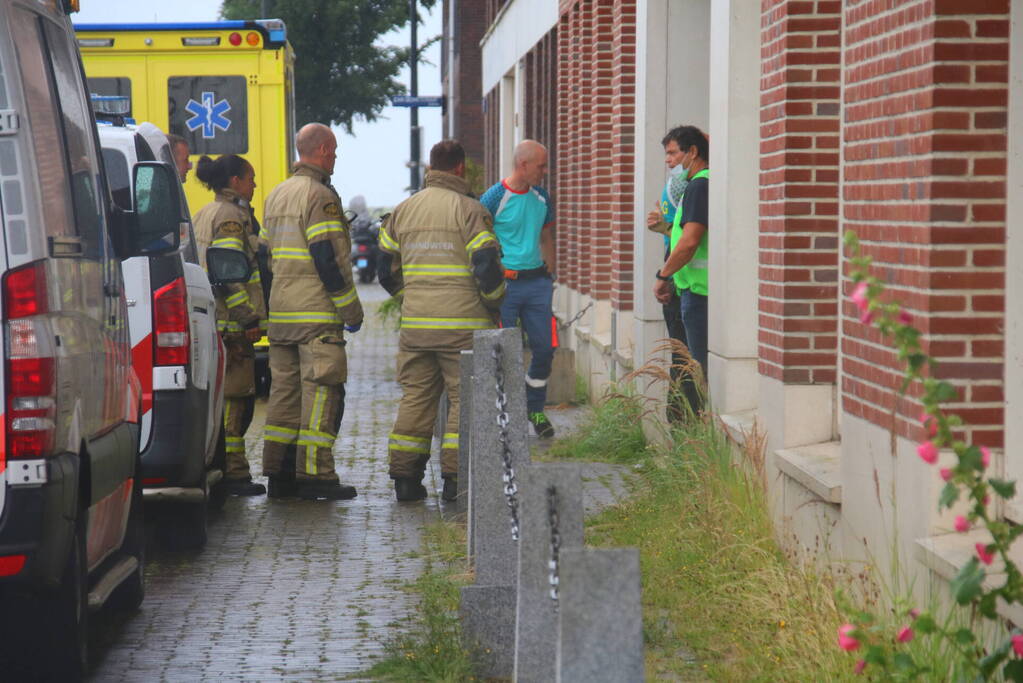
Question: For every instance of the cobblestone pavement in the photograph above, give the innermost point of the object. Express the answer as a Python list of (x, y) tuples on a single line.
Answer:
[(287, 590)]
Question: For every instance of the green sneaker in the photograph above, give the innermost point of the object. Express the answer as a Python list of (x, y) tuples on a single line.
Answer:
[(541, 425)]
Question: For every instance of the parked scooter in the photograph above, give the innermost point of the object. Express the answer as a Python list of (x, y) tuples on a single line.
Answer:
[(364, 231)]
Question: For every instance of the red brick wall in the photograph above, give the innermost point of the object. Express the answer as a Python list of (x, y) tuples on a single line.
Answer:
[(463, 78), (541, 117), (799, 127), (596, 119), (924, 183), (623, 141)]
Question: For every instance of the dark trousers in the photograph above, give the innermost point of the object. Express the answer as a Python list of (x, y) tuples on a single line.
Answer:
[(683, 397), (528, 302)]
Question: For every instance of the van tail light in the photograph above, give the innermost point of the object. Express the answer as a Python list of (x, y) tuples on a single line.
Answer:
[(29, 363), (170, 324), (363, 248)]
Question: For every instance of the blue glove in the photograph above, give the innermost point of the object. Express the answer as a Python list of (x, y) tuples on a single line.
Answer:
[(353, 328)]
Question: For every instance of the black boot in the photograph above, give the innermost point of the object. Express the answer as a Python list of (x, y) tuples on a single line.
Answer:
[(450, 492), (328, 490), (244, 487), (281, 485), (407, 489)]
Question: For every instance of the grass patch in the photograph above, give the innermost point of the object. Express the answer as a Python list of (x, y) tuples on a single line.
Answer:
[(613, 432), (721, 600), (429, 647)]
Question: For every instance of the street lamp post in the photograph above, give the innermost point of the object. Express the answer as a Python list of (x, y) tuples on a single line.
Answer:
[(414, 91)]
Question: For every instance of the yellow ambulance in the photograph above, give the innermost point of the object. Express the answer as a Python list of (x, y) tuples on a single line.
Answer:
[(227, 87)]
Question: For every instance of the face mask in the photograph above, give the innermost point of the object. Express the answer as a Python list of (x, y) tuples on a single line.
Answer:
[(677, 171), (685, 168)]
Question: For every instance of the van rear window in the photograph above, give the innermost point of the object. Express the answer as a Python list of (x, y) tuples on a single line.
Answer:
[(118, 177), (211, 112)]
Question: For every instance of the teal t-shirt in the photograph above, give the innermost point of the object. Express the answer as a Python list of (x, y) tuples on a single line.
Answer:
[(518, 219)]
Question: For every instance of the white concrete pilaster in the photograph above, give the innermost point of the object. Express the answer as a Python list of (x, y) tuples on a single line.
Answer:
[(672, 88), (735, 138)]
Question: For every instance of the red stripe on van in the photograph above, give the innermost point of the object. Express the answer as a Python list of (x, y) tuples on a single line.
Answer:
[(142, 361)]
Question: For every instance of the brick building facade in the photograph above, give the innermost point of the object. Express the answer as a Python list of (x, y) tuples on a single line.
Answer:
[(464, 24), (889, 118)]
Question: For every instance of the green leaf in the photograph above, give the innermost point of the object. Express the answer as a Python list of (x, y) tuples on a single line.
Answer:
[(1005, 489), (916, 361), (943, 391), (991, 662), (875, 655), (903, 662), (970, 457), (1013, 671), (925, 624), (966, 585), (964, 636), (987, 605), (949, 495)]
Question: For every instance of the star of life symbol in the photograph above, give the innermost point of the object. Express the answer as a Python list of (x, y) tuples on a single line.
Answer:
[(208, 115)]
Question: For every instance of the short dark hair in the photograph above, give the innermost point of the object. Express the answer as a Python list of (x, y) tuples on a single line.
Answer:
[(446, 155), (217, 174), (687, 136), (176, 140)]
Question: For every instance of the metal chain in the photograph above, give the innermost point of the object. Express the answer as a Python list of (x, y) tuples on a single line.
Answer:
[(510, 489), (553, 576), (579, 314)]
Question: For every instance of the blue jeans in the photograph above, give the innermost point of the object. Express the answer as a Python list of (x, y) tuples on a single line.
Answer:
[(529, 302), (694, 319)]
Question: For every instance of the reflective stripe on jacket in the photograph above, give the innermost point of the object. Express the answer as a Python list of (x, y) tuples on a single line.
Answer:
[(301, 212), (432, 238), (227, 223)]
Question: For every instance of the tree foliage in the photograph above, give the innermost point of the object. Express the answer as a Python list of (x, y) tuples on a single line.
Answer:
[(340, 71)]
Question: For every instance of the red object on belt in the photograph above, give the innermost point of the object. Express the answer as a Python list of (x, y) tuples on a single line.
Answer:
[(511, 275)]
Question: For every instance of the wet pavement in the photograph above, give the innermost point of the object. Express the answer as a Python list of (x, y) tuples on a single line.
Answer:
[(299, 590), (287, 590)]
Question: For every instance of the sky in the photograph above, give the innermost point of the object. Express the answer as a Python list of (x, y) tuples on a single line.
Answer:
[(371, 161)]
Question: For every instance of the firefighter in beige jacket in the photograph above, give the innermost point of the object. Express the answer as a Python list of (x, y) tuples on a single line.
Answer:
[(439, 252), (227, 222), (312, 299)]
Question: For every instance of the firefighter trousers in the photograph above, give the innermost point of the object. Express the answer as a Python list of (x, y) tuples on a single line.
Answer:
[(307, 401), (239, 402), (423, 376)]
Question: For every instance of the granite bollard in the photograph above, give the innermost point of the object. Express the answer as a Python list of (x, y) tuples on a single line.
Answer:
[(552, 521), (464, 437), (496, 551), (487, 608), (601, 619)]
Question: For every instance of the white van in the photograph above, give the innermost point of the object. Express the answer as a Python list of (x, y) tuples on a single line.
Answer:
[(176, 351), (71, 532)]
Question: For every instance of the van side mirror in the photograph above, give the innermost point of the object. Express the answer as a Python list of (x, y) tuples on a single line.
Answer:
[(227, 266), (158, 210)]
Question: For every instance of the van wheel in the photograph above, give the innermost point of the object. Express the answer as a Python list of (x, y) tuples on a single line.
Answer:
[(65, 613), (130, 594), (218, 492)]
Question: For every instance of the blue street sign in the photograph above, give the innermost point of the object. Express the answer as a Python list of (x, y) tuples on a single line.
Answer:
[(419, 101)]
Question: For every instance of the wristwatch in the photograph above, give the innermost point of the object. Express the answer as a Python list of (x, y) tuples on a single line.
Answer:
[(662, 278)]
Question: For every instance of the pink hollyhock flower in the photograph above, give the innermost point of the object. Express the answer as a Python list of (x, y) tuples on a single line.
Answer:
[(867, 317), (845, 641), (930, 424), (905, 635), (914, 613), (983, 554), (1017, 644), (945, 473), (905, 318), (859, 296), (860, 666), (928, 452), (985, 457), (961, 524)]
